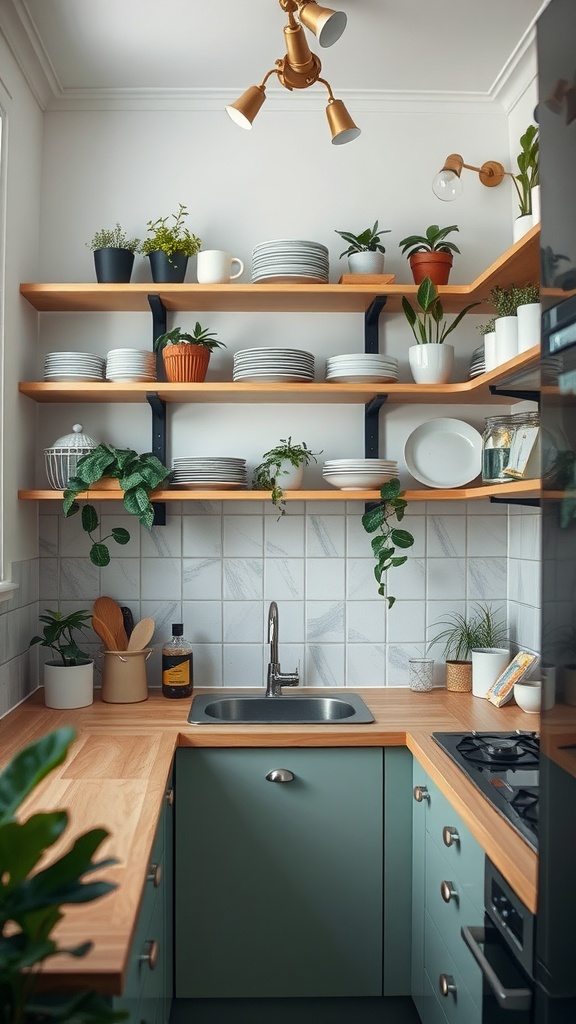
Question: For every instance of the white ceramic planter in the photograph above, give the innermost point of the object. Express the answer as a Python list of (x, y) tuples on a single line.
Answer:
[(528, 325), (366, 262), (490, 362), (487, 664), (290, 477), (535, 199), (521, 226), (431, 364), (68, 686), (506, 341)]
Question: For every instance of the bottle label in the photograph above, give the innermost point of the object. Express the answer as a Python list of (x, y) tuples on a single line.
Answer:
[(176, 670)]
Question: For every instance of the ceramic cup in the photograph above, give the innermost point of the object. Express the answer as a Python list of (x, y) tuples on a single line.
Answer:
[(421, 673), (528, 696), (214, 266)]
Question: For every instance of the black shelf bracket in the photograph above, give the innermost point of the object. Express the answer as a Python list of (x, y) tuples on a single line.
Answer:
[(532, 502), (371, 320), (371, 410), (525, 396), (158, 407)]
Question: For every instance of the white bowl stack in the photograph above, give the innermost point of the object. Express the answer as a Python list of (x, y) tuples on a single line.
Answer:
[(273, 364), (212, 472), (285, 259), (358, 474), (130, 364), (361, 366), (71, 366)]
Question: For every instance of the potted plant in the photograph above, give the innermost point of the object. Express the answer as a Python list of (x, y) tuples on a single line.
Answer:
[(527, 179), (430, 255), (463, 636), (186, 356), (282, 469), (431, 361), (169, 247), (113, 255), (365, 252), (68, 679), (489, 342), (137, 475), (377, 519), (33, 893), (506, 302)]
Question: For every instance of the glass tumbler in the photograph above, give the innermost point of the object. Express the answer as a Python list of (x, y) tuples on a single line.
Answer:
[(421, 672)]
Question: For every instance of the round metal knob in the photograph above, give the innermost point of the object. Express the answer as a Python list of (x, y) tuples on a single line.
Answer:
[(450, 836), (151, 954), (421, 793), (447, 985), (448, 892), (170, 796), (154, 874), (280, 775)]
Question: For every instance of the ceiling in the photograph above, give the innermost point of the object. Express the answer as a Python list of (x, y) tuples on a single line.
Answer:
[(391, 45)]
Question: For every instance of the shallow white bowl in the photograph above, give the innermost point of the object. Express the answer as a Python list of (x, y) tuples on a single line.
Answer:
[(528, 696), (356, 482)]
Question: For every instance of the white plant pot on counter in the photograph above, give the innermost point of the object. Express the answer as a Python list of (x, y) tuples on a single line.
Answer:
[(290, 477), (528, 325), (431, 364), (68, 686), (506, 340), (487, 664)]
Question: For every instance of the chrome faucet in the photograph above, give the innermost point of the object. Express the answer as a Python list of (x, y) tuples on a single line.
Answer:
[(276, 679)]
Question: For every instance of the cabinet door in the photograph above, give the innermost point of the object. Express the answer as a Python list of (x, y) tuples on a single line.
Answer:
[(278, 884)]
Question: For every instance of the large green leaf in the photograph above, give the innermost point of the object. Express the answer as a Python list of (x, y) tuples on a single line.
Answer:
[(89, 519), (99, 555), (23, 843), (29, 767), (427, 294), (402, 538), (372, 519)]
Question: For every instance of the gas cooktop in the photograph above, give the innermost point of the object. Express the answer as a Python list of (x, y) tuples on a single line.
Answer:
[(504, 768)]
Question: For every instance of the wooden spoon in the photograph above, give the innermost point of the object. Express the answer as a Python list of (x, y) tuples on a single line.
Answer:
[(104, 633), (110, 613), (141, 635)]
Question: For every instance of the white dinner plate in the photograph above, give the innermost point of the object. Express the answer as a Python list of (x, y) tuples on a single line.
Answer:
[(444, 453)]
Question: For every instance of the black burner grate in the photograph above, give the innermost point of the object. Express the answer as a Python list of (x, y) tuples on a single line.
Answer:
[(519, 750)]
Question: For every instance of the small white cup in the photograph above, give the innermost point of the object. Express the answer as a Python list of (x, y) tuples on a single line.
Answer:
[(214, 266), (528, 696)]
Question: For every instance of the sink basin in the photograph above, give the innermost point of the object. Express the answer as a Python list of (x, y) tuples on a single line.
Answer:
[(252, 709)]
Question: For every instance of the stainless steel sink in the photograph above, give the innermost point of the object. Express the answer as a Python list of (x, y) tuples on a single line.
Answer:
[(254, 709)]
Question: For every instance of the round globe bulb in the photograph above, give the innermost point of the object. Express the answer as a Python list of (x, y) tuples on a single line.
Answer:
[(447, 186)]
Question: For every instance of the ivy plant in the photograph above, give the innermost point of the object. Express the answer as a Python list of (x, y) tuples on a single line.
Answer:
[(379, 519), (268, 473)]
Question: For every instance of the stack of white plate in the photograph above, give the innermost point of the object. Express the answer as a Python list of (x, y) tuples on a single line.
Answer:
[(285, 259), (358, 474), (211, 472), (74, 366), (361, 366), (273, 364), (477, 363), (130, 364)]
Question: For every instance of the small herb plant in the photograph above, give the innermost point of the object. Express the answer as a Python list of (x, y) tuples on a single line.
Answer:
[(488, 327), (507, 300), (114, 238), (366, 241), (58, 635), (200, 336), (175, 238), (463, 635), (427, 324), (528, 166), (138, 475), (392, 506), (433, 241), (267, 473)]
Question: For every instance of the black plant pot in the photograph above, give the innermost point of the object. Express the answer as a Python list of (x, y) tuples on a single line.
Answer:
[(113, 266), (168, 270)]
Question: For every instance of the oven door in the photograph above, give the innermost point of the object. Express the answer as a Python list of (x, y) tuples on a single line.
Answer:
[(507, 996)]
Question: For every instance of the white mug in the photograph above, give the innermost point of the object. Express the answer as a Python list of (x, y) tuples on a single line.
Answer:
[(214, 267)]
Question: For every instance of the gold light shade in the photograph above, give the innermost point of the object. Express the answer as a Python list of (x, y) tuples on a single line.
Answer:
[(341, 124), (327, 25), (244, 110), (298, 52)]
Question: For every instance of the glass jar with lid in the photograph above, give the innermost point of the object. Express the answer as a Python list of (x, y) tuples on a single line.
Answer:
[(524, 462), (496, 442)]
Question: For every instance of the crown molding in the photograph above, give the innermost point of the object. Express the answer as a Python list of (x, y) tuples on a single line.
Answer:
[(519, 72), (23, 40)]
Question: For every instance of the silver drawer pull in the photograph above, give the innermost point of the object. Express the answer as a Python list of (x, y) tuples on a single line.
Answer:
[(170, 796), (151, 954), (450, 836), (154, 874), (280, 775), (421, 793), (448, 891), (447, 985)]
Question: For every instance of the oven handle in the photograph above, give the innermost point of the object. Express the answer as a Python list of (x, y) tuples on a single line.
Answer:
[(507, 998)]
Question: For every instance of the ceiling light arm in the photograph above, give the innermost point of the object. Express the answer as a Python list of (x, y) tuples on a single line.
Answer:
[(491, 173), (327, 84)]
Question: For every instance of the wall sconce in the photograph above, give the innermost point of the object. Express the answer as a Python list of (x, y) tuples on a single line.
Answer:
[(300, 68), (447, 184)]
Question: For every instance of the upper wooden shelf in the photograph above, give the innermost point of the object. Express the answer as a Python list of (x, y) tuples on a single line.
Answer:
[(518, 265)]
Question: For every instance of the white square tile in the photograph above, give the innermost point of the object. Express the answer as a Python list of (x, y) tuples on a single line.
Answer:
[(487, 578), (324, 621), (446, 536), (325, 536), (122, 579), (201, 579), (161, 579), (366, 622), (325, 665), (208, 665), (243, 579), (202, 536), (243, 665), (487, 535), (242, 622), (202, 621), (406, 622), (445, 578), (325, 579), (365, 665), (284, 579), (291, 619), (126, 522), (79, 579), (243, 536), (48, 535), (360, 580), (163, 541), (284, 538)]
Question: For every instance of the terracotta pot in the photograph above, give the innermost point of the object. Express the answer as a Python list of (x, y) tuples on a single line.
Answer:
[(435, 265), (186, 363), (459, 676)]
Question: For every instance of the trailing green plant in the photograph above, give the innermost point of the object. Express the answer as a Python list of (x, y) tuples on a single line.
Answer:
[(392, 506), (463, 635), (267, 474), (507, 300), (488, 327), (367, 241), (433, 241), (113, 238), (528, 161), (200, 336), (175, 238), (32, 896), (427, 324), (138, 476), (58, 635)]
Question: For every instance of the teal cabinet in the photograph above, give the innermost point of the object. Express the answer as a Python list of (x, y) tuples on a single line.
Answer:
[(278, 884)]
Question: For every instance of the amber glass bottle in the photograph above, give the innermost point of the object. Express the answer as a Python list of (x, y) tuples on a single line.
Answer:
[(177, 667)]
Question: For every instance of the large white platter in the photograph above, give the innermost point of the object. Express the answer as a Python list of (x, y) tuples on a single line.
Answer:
[(444, 453)]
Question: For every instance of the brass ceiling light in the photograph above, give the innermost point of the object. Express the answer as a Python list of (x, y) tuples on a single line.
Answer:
[(447, 184), (300, 68)]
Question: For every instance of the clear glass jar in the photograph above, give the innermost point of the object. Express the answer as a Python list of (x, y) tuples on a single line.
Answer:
[(497, 439), (525, 460)]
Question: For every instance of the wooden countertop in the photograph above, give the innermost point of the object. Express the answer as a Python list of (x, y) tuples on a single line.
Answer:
[(117, 770)]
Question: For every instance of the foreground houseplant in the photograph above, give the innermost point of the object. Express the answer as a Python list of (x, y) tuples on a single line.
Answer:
[(113, 255), (282, 468), (430, 363), (377, 519), (186, 356), (32, 895), (365, 251), (138, 475), (430, 255), (462, 635), (68, 679), (528, 178), (170, 246)]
